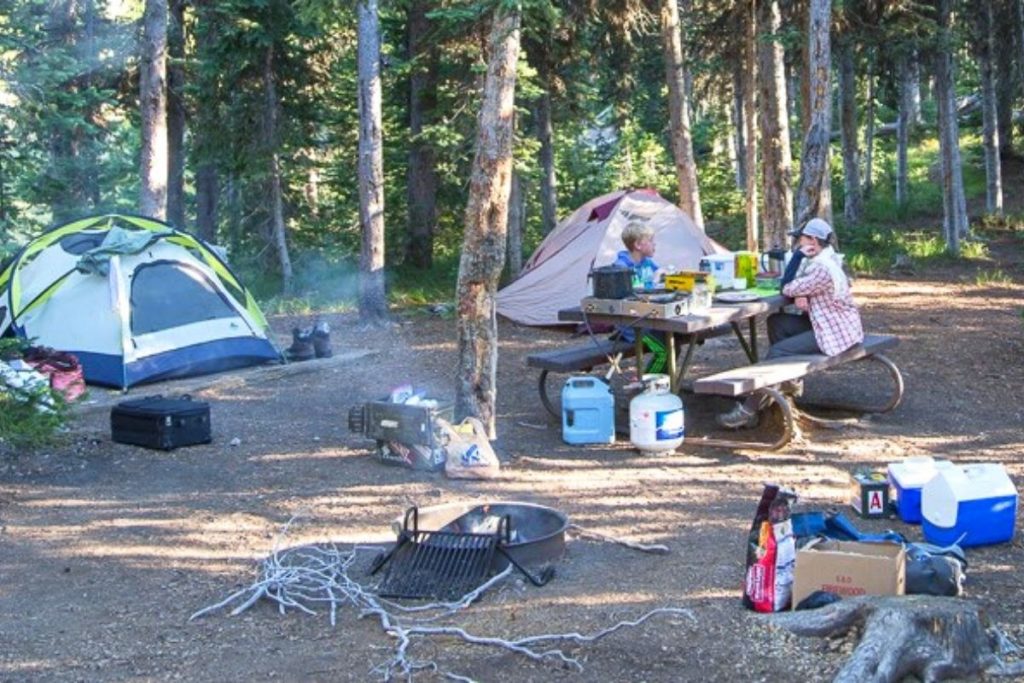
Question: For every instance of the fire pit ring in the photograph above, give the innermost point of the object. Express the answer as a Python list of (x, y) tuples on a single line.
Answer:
[(444, 551), (538, 531)]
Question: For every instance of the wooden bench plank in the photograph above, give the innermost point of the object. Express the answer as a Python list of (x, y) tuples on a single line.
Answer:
[(767, 373), (582, 357)]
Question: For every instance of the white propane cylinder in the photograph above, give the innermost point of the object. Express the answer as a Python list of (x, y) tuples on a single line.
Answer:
[(656, 417)]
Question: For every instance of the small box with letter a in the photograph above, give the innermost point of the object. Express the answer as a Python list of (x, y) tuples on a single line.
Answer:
[(869, 494)]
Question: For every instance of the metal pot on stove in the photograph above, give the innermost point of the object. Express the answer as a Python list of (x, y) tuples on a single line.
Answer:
[(612, 282)]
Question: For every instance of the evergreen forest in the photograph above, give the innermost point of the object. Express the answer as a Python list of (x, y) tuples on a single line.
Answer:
[(242, 121)]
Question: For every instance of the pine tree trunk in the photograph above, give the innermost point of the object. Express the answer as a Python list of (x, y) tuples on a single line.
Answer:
[(739, 133), (777, 161), (206, 127), (869, 131), (483, 250), (176, 114), (985, 50), (1005, 75), (277, 226), (914, 78), (153, 111), (903, 120), (811, 199), (207, 196), (373, 308), (953, 199), (750, 78), (1018, 31), (848, 117), (422, 173), (516, 219), (89, 175), (793, 91), (65, 204), (545, 135), (679, 112)]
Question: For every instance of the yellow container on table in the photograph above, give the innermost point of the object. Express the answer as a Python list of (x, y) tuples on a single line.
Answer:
[(746, 266), (684, 280)]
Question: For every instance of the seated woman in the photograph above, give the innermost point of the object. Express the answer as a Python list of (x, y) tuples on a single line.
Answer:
[(828, 323)]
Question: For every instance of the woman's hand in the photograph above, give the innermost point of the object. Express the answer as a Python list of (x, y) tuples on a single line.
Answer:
[(802, 303)]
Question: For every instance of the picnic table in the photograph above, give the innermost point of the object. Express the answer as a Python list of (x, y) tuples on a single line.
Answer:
[(766, 377), (693, 328)]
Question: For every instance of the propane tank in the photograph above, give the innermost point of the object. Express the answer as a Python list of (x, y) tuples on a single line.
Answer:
[(656, 417)]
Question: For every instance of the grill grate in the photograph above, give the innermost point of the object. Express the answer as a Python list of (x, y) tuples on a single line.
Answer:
[(442, 565)]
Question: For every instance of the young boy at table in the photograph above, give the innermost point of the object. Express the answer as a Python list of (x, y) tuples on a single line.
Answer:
[(638, 238), (829, 322)]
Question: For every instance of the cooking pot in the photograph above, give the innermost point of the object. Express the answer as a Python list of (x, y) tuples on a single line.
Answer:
[(612, 282)]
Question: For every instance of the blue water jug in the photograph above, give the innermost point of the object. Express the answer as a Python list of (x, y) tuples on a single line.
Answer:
[(588, 411)]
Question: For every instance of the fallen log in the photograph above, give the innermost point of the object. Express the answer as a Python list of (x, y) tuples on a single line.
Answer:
[(933, 638)]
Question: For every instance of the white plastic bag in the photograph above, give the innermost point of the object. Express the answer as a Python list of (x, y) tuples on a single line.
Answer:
[(26, 384), (468, 451)]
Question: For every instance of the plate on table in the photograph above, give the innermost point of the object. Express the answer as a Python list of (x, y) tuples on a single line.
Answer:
[(736, 297)]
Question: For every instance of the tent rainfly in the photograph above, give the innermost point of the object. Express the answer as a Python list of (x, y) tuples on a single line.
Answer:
[(555, 276), (136, 301)]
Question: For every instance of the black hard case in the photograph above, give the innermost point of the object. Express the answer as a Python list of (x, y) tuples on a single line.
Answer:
[(162, 423)]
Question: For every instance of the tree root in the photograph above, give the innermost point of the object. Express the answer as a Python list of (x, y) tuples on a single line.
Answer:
[(933, 638)]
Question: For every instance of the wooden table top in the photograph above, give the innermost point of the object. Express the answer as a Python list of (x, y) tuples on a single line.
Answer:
[(719, 314)]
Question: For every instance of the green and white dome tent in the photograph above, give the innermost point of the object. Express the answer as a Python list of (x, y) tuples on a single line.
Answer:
[(136, 300)]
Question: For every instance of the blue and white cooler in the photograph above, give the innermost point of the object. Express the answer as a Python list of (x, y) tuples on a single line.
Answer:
[(970, 505), (907, 478)]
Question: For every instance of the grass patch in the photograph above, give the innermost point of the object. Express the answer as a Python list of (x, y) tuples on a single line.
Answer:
[(993, 277)]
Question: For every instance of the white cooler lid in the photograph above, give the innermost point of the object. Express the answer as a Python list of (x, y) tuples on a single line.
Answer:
[(915, 472), (942, 495)]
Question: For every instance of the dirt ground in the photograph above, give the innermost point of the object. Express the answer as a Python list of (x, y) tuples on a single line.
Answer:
[(106, 549)]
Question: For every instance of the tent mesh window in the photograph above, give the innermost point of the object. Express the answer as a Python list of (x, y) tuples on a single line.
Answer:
[(159, 293)]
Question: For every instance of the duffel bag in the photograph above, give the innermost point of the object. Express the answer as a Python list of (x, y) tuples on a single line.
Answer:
[(62, 368)]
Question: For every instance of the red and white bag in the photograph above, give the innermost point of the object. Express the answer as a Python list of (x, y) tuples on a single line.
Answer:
[(62, 368), (771, 553)]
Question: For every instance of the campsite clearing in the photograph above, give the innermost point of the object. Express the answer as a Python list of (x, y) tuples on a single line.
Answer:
[(105, 549)]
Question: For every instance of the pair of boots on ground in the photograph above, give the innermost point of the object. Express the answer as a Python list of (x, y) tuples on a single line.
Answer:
[(747, 413), (310, 342)]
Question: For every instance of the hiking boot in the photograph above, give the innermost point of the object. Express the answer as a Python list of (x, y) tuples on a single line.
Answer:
[(302, 345), (322, 339), (740, 417), (793, 387)]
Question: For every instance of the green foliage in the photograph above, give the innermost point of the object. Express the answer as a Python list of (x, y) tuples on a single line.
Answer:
[(609, 110), (23, 426), (412, 287), (29, 417), (62, 66)]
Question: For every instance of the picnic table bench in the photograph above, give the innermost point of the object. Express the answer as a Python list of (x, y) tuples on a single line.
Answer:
[(767, 378), (580, 358)]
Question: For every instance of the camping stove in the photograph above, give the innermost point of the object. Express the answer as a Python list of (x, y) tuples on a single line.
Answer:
[(641, 305), (401, 422)]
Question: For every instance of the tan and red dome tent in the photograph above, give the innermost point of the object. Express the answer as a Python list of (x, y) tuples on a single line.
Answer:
[(555, 276)]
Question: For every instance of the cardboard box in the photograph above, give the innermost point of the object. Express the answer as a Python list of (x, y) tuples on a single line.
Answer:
[(849, 568)]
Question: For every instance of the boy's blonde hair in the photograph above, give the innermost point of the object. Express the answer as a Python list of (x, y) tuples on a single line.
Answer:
[(634, 232)]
